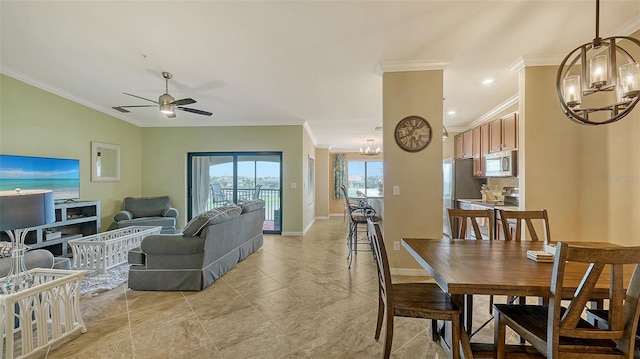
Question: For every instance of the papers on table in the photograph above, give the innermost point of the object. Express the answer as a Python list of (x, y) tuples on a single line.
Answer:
[(540, 256)]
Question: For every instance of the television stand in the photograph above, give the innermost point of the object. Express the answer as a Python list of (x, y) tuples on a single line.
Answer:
[(74, 220)]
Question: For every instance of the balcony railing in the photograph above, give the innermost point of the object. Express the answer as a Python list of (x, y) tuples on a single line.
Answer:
[(271, 198)]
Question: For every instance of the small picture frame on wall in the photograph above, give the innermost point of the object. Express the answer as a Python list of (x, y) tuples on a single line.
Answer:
[(105, 162)]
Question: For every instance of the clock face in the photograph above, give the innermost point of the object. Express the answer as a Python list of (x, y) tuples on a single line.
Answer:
[(413, 133)]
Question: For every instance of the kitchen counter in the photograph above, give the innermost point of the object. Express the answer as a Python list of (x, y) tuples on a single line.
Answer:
[(495, 205)]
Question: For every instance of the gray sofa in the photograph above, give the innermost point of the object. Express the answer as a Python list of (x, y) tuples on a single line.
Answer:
[(211, 244), (147, 211)]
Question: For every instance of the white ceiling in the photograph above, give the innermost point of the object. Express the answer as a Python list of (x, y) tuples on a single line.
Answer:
[(292, 62)]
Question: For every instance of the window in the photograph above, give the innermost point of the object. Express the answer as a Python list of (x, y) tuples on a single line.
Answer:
[(365, 178), (218, 179), (310, 182)]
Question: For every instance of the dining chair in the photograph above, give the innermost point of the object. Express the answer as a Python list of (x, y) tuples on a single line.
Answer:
[(600, 319), (477, 218), (560, 332), (416, 300), (357, 216), (527, 217)]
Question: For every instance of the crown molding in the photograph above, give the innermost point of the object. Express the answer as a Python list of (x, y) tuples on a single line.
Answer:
[(456, 129), (5, 70), (306, 127), (496, 110), (629, 27), (401, 66)]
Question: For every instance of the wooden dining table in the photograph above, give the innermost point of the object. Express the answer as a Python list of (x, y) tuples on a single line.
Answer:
[(464, 267)]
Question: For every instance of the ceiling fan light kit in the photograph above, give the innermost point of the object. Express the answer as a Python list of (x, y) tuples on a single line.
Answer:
[(166, 103), (592, 68)]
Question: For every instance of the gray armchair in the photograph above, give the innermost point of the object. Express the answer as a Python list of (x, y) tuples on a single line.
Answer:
[(147, 211)]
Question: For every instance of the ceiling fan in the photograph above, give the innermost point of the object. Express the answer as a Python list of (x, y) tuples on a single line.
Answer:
[(166, 102)]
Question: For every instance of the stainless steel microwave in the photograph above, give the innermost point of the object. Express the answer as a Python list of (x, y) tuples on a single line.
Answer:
[(501, 164)]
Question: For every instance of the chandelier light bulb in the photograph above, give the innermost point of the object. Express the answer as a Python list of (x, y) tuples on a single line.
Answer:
[(571, 86), (598, 66), (630, 79), (369, 149)]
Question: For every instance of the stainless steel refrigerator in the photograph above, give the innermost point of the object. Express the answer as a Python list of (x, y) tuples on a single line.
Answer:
[(458, 183)]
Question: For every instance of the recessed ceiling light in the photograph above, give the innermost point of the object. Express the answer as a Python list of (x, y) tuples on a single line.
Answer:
[(487, 81), (451, 113)]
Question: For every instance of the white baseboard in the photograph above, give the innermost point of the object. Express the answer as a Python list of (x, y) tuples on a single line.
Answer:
[(304, 231), (291, 234), (410, 272)]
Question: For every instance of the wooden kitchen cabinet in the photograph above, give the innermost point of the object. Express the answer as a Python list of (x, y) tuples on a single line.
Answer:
[(495, 135), (475, 152), (458, 143), (503, 134), (463, 145), (510, 132), (484, 147), (467, 147)]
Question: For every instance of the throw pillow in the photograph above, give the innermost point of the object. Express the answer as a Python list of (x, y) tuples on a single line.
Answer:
[(216, 215), (251, 206), (195, 225), (5, 249), (225, 214)]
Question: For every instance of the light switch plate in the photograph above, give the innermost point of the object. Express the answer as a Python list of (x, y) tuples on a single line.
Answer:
[(396, 190), (294, 185)]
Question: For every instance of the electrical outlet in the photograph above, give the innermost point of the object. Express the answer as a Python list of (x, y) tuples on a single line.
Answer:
[(396, 190), (396, 245)]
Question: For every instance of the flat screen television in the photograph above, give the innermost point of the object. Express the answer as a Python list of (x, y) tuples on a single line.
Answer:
[(61, 175)]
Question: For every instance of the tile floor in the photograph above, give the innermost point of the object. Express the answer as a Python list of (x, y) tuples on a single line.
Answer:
[(295, 298)]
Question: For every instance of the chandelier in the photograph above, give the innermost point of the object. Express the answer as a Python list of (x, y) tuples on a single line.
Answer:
[(369, 151), (592, 69)]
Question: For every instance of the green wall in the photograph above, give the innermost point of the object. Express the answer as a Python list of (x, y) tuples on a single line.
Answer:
[(34, 122)]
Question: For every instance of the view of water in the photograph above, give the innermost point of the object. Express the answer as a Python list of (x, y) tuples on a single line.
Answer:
[(62, 188)]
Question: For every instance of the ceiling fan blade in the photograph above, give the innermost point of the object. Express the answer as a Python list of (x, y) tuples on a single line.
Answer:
[(184, 101), (196, 111), (123, 108), (142, 98)]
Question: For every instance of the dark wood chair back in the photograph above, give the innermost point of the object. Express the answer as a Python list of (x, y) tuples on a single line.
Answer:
[(624, 307), (527, 217), (558, 330), (465, 216), (382, 262)]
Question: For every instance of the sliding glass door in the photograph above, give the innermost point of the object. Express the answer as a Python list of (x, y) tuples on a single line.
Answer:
[(217, 179)]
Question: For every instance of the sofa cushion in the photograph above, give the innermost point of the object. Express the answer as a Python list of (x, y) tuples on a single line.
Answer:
[(146, 206), (250, 206), (216, 215)]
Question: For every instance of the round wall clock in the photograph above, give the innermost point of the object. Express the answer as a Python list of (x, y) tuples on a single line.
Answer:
[(413, 133)]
